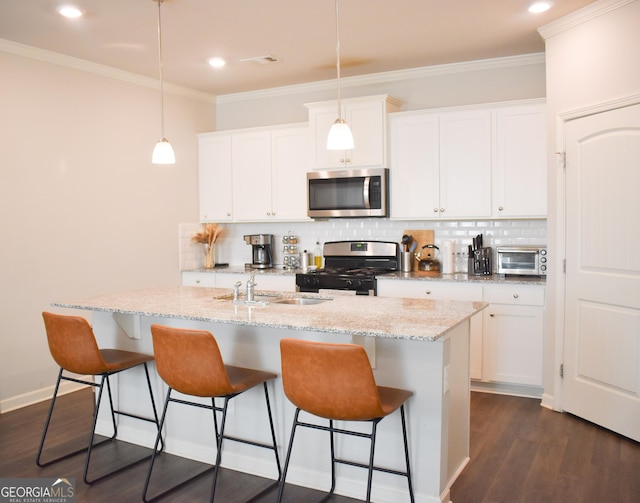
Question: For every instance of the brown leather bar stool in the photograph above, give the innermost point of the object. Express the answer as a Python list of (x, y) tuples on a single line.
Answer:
[(335, 382), (189, 361), (73, 346)]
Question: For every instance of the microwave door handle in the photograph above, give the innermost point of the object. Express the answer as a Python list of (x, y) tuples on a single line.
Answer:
[(367, 183)]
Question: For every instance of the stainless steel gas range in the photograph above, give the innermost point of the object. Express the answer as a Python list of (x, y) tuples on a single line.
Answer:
[(351, 265)]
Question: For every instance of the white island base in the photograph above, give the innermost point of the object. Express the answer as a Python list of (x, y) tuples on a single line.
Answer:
[(437, 371)]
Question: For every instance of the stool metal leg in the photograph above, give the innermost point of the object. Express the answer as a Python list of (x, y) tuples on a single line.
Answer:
[(273, 431), (406, 452), (374, 430), (95, 422), (333, 457), (155, 446), (50, 414), (287, 459), (220, 438)]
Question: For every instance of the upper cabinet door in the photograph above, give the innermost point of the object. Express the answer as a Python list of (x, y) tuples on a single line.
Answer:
[(251, 154), (289, 166), (367, 118), (415, 165), (214, 159), (465, 164), (521, 162)]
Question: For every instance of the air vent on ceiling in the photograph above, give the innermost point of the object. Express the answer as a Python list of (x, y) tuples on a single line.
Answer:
[(262, 60)]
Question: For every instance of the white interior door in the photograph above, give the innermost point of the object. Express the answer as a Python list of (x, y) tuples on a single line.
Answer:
[(602, 319)]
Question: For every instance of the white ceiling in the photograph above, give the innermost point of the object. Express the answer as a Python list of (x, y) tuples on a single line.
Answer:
[(375, 36)]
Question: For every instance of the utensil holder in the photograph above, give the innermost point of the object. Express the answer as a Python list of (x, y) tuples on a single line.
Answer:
[(406, 261), (479, 262)]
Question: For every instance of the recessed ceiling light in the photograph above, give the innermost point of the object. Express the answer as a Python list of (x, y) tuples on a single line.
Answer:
[(217, 62), (538, 7), (70, 11)]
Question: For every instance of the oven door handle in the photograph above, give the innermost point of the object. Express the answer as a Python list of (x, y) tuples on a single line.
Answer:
[(366, 192)]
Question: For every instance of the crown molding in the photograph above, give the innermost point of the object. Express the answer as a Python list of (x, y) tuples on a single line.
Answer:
[(587, 13), (393, 76), (56, 58), (35, 53)]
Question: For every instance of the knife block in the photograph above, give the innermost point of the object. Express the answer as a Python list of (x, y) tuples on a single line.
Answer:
[(480, 262)]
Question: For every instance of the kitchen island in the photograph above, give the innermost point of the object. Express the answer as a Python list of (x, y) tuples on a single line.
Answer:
[(417, 344)]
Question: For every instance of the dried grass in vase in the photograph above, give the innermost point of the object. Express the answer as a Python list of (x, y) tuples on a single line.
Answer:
[(208, 237)]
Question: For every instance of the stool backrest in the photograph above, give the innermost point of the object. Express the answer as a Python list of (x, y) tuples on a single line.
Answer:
[(189, 361), (333, 381), (72, 344)]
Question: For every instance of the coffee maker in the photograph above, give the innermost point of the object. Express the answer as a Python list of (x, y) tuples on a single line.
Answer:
[(262, 253)]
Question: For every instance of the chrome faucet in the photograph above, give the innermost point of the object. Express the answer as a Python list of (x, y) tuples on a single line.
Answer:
[(251, 283), (236, 290)]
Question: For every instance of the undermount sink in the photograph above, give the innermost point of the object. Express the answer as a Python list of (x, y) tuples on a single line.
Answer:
[(262, 298), (300, 301)]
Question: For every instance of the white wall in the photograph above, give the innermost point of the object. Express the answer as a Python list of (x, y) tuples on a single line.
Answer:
[(82, 209), (592, 58), (487, 81)]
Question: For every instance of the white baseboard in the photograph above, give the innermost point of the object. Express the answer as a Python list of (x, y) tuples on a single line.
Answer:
[(40, 395)]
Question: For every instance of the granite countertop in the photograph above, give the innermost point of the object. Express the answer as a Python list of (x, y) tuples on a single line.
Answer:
[(415, 275), (416, 319)]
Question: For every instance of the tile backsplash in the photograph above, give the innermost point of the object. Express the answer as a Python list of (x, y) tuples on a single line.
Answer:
[(232, 249)]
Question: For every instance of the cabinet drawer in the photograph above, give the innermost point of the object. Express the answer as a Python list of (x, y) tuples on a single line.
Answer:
[(514, 294), (199, 279), (438, 290)]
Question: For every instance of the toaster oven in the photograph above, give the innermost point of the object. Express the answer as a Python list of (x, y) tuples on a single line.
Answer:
[(522, 260)]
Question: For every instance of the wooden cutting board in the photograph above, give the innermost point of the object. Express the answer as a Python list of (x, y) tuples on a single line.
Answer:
[(423, 237)]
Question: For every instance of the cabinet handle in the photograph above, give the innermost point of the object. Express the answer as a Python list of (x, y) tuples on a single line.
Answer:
[(500, 208), (491, 314), (428, 292), (268, 213), (228, 213), (435, 210), (441, 210), (198, 281), (515, 295)]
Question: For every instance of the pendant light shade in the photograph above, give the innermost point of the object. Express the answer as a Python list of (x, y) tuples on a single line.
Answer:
[(163, 151), (340, 137)]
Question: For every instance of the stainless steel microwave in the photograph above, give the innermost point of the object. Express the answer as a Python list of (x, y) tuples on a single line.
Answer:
[(348, 193), (522, 260)]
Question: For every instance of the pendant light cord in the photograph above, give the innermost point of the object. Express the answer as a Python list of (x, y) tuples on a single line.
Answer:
[(338, 62), (160, 61)]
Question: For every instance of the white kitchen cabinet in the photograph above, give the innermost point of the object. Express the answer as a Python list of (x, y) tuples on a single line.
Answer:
[(367, 118), (465, 164), (443, 290), (275, 282), (289, 166), (215, 186), (480, 162), (256, 174), (520, 182), (441, 165), (269, 168), (513, 327), (195, 278), (415, 165), (251, 155)]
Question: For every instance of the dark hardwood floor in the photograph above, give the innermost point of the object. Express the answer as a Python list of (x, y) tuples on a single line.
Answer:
[(520, 452)]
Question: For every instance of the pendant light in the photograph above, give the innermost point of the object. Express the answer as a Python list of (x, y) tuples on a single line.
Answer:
[(163, 151), (340, 137)]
